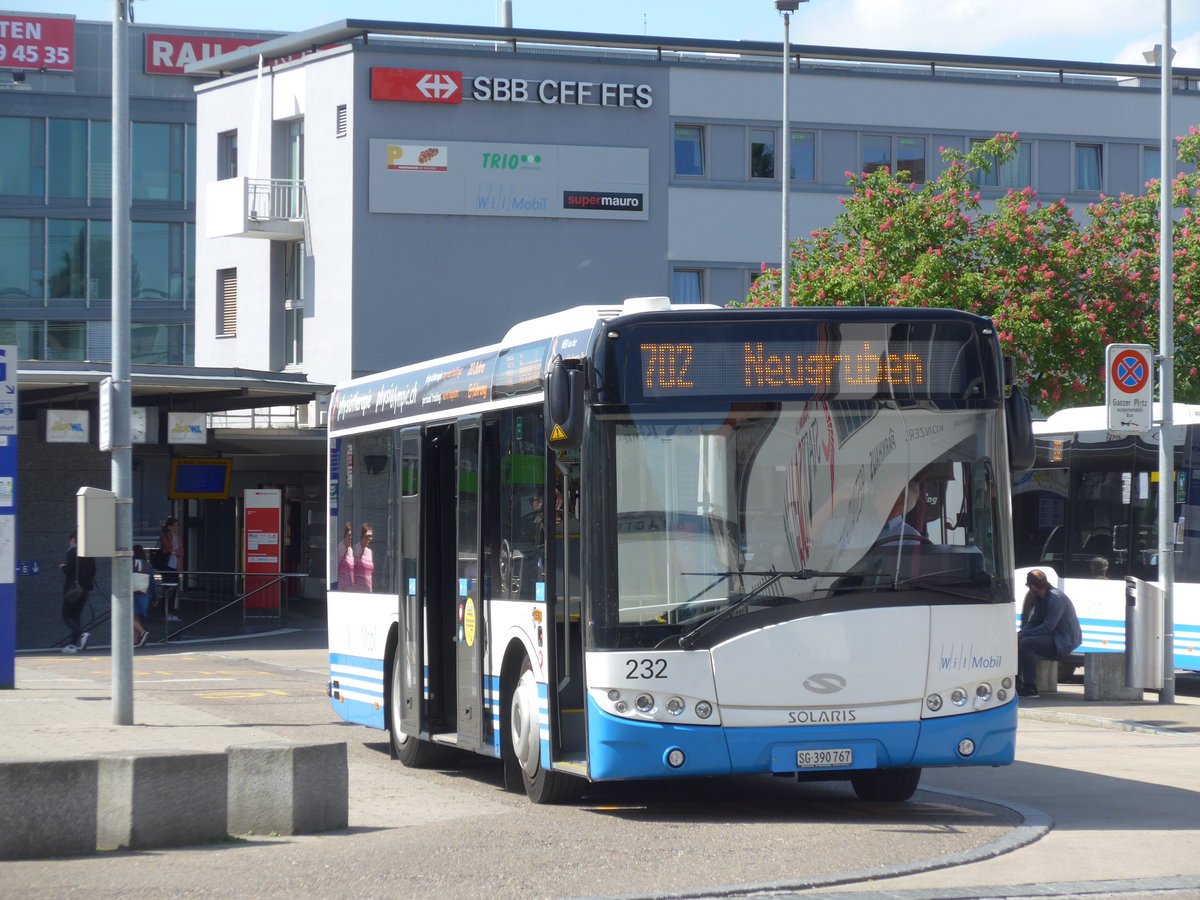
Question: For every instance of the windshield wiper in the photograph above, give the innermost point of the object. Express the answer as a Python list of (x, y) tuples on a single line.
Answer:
[(922, 583), (688, 640)]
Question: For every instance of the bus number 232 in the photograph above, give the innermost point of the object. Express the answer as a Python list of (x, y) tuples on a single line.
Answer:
[(646, 668)]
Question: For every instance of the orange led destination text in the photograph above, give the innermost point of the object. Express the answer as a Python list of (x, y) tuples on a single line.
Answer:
[(825, 369)]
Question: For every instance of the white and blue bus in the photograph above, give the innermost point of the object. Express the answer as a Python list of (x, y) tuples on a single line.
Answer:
[(655, 541), (1087, 514)]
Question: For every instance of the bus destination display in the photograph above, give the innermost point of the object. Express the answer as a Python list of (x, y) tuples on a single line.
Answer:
[(827, 368)]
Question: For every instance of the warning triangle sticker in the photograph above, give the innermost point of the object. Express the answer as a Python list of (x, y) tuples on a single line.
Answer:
[(557, 434)]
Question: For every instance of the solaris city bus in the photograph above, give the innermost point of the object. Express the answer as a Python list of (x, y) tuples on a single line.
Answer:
[(650, 541)]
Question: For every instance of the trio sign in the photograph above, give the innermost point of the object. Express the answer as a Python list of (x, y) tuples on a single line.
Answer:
[(1129, 387)]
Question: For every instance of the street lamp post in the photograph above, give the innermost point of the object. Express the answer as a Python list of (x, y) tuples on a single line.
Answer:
[(786, 7)]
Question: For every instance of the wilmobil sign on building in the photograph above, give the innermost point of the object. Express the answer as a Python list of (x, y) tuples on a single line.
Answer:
[(1129, 387)]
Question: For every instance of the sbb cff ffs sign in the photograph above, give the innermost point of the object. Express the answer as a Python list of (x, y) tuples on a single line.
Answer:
[(37, 42), (1129, 387)]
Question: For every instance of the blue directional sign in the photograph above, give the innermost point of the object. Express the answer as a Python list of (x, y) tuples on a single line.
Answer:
[(29, 567), (8, 390)]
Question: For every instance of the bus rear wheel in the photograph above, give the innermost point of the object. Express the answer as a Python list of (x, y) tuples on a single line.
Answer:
[(412, 752), (541, 785), (886, 785)]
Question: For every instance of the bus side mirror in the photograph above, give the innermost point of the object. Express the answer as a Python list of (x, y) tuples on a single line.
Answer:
[(1018, 421), (564, 405)]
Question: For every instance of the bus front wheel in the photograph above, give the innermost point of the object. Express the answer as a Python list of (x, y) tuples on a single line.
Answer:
[(541, 785), (886, 785), (412, 752)]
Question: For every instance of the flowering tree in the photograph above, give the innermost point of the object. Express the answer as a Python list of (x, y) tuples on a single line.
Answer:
[(1059, 291)]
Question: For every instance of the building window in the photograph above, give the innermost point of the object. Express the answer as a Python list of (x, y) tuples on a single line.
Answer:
[(1015, 172), (29, 337), (689, 150), (227, 155), (22, 158), (802, 160), (687, 286), (166, 344), (1151, 164), (21, 258), (293, 304), (900, 153), (762, 152), (100, 160), (156, 271), (99, 260), (343, 121), (66, 341), (66, 259), (67, 158), (227, 302), (1088, 167), (158, 161)]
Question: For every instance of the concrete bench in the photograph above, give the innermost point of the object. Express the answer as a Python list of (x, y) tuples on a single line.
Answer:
[(48, 808), (287, 788), (1047, 676), (1104, 678), (154, 799)]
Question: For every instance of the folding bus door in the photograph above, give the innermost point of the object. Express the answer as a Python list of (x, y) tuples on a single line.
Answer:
[(469, 612)]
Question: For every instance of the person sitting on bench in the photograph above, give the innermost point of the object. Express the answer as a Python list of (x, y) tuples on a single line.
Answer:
[(1051, 631)]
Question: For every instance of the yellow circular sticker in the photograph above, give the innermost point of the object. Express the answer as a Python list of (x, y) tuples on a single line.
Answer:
[(469, 622)]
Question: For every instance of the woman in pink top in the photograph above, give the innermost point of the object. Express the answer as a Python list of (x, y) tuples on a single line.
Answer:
[(364, 564), (345, 567)]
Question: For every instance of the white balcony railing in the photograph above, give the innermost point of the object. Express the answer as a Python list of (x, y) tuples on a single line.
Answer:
[(272, 208), (274, 199)]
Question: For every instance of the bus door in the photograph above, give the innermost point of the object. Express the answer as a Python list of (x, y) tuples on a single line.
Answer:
[(411, 645), (469, 630), (567, 618), (436, 581)]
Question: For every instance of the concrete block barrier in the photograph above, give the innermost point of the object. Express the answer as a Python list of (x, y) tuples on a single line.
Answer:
[(1047, 676), (286, 788), (1104, 678), (47, 808), (161, 799)]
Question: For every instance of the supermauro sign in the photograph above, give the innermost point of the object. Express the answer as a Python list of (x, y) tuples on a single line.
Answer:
[(440, 86)]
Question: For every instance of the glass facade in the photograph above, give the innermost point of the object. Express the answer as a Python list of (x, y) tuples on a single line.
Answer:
[(56, 237)]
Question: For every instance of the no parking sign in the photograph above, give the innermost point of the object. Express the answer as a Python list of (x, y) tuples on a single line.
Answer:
[(1129, 387)]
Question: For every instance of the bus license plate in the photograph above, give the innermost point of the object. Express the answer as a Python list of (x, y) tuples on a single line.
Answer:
[(818, 759)]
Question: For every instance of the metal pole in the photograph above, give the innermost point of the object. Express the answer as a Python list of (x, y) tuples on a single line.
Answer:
[(785, 160), (1166, 377), (122, 458)]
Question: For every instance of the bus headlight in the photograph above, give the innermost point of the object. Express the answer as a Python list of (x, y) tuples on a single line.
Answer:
[(622, 706), (614, 695), (1006, 682), (966, 747), (958, 696), (984, 691), (675, 706), (644, 703), (933, 702), (704, 709)]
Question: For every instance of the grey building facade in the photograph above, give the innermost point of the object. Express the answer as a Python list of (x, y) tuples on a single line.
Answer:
[(432, 184)]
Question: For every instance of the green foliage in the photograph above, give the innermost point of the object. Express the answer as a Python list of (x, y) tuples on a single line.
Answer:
[(1058, 290)]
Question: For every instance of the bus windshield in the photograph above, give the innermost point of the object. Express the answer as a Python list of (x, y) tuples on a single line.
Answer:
[(776, 504)]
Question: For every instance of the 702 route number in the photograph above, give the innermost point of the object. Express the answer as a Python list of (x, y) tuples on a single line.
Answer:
[(645, 668)]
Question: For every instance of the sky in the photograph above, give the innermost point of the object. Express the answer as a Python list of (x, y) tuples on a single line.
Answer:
[(1076, 30)]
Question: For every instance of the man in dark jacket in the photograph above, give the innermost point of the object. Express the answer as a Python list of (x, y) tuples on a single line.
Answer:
[(1050, 632)]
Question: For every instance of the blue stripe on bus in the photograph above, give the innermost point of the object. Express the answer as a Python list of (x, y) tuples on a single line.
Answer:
[(624, 749), (360, 693)]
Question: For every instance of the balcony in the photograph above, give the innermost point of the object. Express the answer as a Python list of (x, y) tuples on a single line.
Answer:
[(271, 208)]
